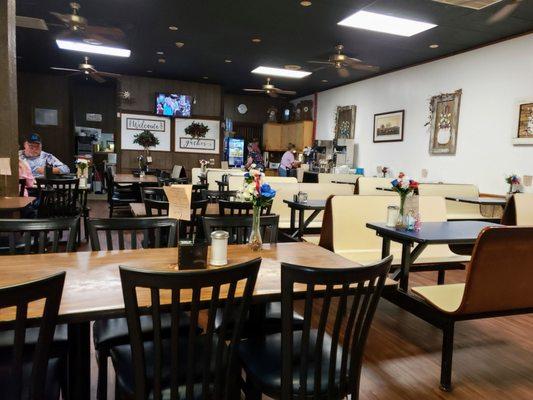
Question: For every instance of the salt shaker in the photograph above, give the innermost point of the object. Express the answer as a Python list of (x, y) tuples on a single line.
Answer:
[(392, 215), (219, 248)]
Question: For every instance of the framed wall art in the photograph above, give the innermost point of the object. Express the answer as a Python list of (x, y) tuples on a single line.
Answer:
[(132, 124), (197, 135), (45, 116), (444, 122), (524, 134), (388, 127), (345, 122)]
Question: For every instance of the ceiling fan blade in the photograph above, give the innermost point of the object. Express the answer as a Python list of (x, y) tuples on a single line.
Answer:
[(343, 72), (64, 69), (362, 67), (254, 90), (320, 62), (353, 59), (109, 74), (65, 18), (96, 77), (105, 31), (272, 94), (281, 91), (504, 12), (319, 69)]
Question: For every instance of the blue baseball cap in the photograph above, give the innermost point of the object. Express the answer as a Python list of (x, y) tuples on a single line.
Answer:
[(33, 138)]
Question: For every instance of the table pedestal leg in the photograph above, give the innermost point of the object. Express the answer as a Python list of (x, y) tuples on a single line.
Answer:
[(385, 247), (79, 361)]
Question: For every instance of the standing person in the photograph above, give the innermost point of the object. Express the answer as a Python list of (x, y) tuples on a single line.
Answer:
[(255, 157), (288, 161), (37, 159)]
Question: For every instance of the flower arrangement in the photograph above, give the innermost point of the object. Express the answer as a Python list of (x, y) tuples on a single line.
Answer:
[(146, 139), (197, 130), (404, 186), (514, 182), (203, 165), (81, 166), (260, 195)]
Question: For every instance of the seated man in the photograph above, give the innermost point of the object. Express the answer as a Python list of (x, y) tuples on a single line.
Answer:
[(37, 159)]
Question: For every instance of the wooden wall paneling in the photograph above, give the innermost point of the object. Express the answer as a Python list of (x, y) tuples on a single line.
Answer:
[(47, 91), (208, 105), (8, 94), (258, 106)]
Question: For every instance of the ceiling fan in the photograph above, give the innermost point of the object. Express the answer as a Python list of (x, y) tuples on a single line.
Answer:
[(89, 71), (341, 62), (80, 25), (271, 90)]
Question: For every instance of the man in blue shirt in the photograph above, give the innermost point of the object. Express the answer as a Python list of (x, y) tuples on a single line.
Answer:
[(34, 155)]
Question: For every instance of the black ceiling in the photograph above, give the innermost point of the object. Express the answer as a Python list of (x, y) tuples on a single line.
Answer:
[(215, 30)]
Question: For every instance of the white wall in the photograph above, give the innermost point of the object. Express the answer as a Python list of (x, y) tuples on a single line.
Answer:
[(494, 79)]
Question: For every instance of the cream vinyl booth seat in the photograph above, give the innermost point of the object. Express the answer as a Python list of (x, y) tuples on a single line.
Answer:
[(315, 191), (345, 230), (329, 178), (367, 186), (454, 209), (524, 208)]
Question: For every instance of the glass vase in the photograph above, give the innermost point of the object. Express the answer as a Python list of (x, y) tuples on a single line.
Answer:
[(401, 222), (255, 242)]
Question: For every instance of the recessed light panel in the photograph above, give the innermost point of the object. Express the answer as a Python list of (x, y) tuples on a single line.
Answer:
[(90, 48), (285, 73), (385, 23)]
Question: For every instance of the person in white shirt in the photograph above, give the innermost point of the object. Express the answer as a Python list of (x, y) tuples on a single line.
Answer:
[(288, 161)]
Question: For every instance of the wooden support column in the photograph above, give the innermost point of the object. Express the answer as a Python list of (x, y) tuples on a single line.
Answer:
[(8, 95)]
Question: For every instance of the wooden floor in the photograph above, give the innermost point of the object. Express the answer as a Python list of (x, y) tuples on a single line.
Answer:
[(493, 358)]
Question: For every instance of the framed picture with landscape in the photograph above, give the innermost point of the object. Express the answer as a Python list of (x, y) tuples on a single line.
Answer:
[(388, 127)]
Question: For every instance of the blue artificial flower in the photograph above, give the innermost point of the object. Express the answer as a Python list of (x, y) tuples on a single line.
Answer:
[(395, 182), (267, 191), (247, 175)]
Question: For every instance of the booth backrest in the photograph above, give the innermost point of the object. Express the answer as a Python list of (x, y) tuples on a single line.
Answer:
[(367, 186), (279, 179), (346, 218), (284, 191), (454, 209), (499, 277), (328, 178), (321, 191), (524, 208)]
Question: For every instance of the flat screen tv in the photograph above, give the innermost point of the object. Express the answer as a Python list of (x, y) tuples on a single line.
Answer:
[(173, 105)]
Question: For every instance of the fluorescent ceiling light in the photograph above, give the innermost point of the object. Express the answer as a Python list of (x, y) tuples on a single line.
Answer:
[(385, 23), (285, 73), (91, 48)]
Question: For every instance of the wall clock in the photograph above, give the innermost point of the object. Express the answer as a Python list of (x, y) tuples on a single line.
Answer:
[(242, 109)]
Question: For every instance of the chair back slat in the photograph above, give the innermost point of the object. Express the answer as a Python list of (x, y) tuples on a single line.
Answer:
[(203, 363), (239, 227), (35, 357), (156, 231), (58, 197), (336, 369), (27, 236)]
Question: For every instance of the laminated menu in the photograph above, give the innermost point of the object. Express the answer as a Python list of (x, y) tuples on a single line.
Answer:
[(179, 201)]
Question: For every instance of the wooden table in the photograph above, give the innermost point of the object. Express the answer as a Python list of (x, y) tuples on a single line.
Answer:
[(129, 178), (310, 205), (93, 290), (9, 205), (451, 232), (482, 201)]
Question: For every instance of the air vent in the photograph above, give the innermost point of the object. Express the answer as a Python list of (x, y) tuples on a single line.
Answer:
[(473, 4), (31, 23)]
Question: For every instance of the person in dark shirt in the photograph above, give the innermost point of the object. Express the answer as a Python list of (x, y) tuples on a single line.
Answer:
[(255, 157)]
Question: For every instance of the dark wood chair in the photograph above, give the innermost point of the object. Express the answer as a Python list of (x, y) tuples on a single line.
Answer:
[(227, 207), (129, 233), (58, 197), (196, 365), (119, 196), (197, 192), (239, 227), (22, 187), (215, 195), (156, 208), (38, 235), (308, 363), (29, 365), (153, 193), (189, 229)]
